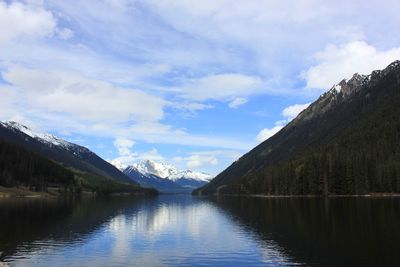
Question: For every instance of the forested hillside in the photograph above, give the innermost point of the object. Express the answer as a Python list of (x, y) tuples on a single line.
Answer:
[(22, 168), (19, 167), (59, 150), (347, 142)]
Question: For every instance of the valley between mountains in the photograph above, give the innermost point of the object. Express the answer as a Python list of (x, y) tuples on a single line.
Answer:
[(345, 143), (41, 161)]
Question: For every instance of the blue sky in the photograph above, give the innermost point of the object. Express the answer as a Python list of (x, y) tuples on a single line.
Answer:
[(192, 83)]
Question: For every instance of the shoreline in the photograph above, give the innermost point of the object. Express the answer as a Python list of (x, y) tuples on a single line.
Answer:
[(24, 192), (370, 195), (53, 192)]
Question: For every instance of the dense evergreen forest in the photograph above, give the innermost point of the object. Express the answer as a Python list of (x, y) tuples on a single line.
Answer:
[(365, 159), (347, 142), (19, 167)]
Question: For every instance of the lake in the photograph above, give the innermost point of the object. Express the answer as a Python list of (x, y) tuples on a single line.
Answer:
[(192, 231)]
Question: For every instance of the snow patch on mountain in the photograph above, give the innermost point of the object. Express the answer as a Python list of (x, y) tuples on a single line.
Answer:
[(189, 174), (167, 171), (162, 170), (43, 137), (338, 88)]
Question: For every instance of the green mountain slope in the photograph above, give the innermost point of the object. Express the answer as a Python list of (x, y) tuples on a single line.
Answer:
[(21, 168), (59, 150), (347, 142)]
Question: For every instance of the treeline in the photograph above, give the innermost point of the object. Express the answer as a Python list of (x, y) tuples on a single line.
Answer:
[(104, 186), (19, 167), (363, 159)]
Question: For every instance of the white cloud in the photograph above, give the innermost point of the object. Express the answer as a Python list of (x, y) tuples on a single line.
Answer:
[(338, 62), (224, 87), (237, 102), (196, 161), (124, 146), (24, 20), (81, 97), (67, 102), (126, 155), (291, 112), (266, 133), (208, 157), (209, 161)]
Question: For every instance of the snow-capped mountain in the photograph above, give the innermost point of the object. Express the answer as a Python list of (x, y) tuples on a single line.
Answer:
[(60, 150), (162, 170), (189, 174), (150, 180), (168, 171), (42, 137), (166, 177)]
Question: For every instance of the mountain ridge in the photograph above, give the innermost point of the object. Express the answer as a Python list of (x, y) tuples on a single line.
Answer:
[(168, 171), (328, 122), (59, 150)]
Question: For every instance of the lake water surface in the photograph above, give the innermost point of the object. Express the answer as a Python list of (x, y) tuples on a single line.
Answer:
[(191, 231)]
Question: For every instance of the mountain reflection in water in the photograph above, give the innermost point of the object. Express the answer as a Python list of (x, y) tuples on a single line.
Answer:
[(190, 231)]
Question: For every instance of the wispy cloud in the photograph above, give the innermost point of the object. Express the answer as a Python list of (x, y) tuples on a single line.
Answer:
[(221, 87), (237, 102)]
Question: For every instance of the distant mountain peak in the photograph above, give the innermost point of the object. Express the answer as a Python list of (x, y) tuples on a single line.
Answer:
[(160, 169), (189, 174), (167, 171), (165, 177)]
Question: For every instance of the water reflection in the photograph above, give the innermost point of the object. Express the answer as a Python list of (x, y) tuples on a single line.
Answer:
[(329, 232), (186, 231)]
